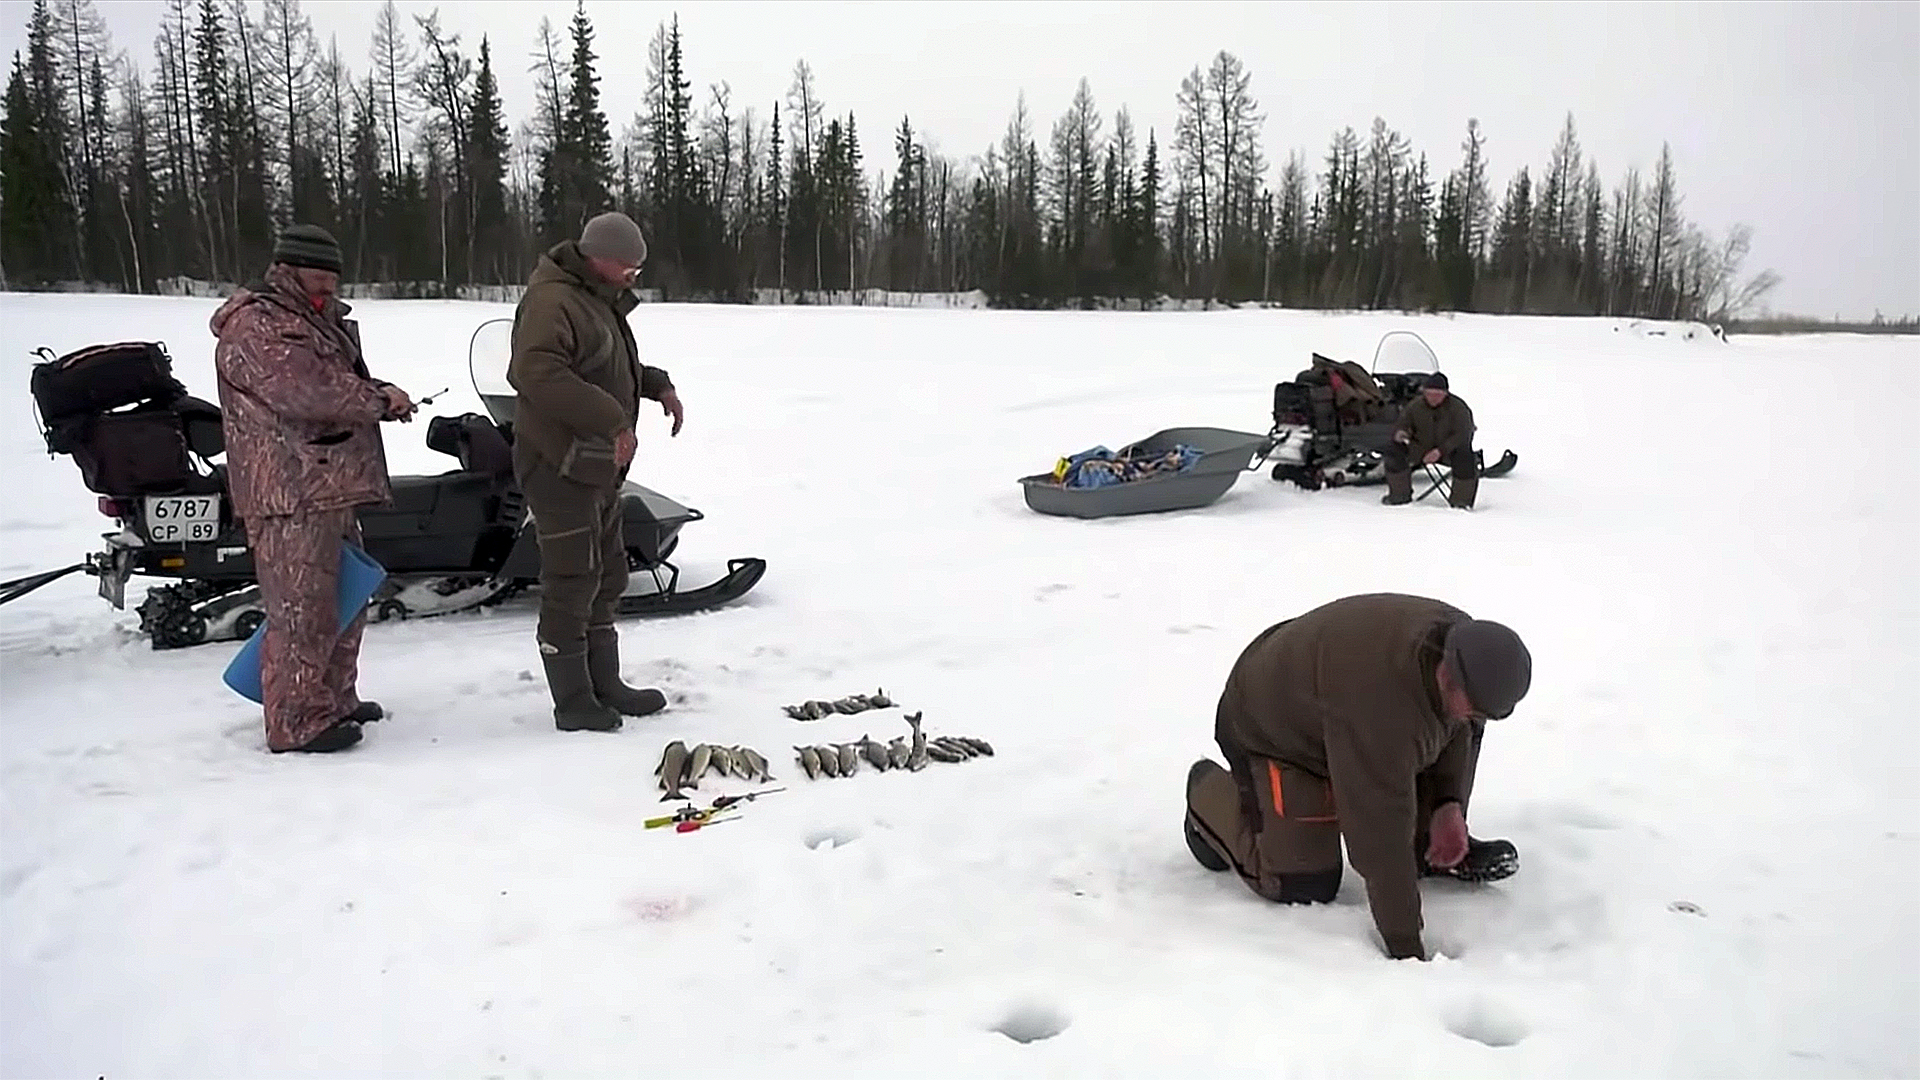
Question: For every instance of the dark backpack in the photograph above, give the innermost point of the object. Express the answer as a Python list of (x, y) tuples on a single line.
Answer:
[(475, 440), (125, 419)]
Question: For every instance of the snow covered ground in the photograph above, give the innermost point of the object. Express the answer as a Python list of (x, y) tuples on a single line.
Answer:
[(1707, 546)]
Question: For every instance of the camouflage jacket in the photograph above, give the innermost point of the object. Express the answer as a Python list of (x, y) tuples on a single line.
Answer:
[(301, 413)]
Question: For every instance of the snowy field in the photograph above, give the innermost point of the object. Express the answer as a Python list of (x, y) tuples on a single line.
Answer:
[(1707, 545)]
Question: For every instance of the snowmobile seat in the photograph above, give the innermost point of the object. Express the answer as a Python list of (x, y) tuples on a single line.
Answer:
[(434, 523)]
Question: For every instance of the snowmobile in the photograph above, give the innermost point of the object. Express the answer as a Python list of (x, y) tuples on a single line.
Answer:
[(1333, 422), (450, 542)]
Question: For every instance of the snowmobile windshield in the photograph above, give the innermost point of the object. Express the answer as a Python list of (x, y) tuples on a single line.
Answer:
[(489, 353), (1403, 352)]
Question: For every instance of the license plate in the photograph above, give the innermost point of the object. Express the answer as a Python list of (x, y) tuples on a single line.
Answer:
[(182, 519)]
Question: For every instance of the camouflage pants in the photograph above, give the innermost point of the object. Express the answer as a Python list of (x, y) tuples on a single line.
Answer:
[(307, 671), (583, 555)]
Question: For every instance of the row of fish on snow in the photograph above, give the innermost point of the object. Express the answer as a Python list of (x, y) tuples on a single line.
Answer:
[(683, 768)]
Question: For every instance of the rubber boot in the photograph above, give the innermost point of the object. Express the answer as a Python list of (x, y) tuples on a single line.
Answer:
[(1203, 852), (603, 665), (1399, 489), (575, 708)]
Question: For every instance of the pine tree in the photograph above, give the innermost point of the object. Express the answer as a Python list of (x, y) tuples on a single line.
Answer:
[(36, 222), (487, 148)]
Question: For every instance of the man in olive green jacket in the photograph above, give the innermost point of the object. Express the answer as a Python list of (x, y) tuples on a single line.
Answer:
[(1435, 427), (579, 378), (1360, 720)]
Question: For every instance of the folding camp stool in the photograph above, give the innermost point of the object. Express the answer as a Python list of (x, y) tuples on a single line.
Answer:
[(1442, 478)]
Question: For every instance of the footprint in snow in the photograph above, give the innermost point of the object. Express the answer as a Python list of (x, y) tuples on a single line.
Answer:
[(1485, 1021), (1032, 1022)]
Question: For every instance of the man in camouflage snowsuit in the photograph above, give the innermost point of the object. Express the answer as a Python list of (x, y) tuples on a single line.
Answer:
[(1436, 427), (301, 422), (577, 371)]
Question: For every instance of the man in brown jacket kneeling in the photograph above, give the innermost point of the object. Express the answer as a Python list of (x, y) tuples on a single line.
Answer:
[(1359, 720), (579, 377)]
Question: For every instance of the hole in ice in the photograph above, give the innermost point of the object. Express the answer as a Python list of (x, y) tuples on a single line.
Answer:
[(1486, 1022), (831, 838), (1032, 1022)]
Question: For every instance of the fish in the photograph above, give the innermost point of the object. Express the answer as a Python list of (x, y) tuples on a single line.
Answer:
[(876, 754), (697, 766), (849, 759), (737, 764), (809, 761), (722, 762), (981, 745), (855, 703), (829, 760), (757, 766), (954, 746), (917, 759), (940, 752), (897, 752), (673, 763), (880, 700)]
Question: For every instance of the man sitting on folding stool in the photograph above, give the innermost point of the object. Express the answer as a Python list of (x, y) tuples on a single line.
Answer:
[(1434, 428)]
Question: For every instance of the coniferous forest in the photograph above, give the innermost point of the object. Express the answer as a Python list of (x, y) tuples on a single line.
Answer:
[(147, 178)]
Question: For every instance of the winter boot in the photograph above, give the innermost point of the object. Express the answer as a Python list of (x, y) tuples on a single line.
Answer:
[(575, 708), (367, 712), (1487, 860), (603, 665), (1399, 489), (1203, 852), (338, 736)]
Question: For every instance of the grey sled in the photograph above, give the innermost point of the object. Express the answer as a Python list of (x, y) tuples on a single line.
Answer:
[(1224, 455)]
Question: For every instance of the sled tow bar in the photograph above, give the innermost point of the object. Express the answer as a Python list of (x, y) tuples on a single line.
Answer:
[(19, 587)]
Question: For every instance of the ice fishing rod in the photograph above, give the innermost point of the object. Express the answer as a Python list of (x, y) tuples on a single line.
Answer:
[(689, 818)]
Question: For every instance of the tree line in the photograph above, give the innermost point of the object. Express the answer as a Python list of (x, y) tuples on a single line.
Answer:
[(127, 178)]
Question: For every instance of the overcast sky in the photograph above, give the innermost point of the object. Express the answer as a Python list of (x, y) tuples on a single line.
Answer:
[(1800, 119)]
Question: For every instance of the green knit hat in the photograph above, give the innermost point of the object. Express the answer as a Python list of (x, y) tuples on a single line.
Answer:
[(307, 245)]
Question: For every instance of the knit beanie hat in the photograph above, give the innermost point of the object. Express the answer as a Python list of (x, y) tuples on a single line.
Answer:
[(1492, 664), (309, 246), (614, 236)]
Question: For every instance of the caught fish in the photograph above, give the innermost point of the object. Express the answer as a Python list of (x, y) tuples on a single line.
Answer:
[(737, 764), (696, 768), (722, 762), (757, 766), (954, 746), (849, 759), (917, 759), (828, 760), (673, 764), (897, 752), (810, 761), (939, 751), (875, 753), (855, 703), (880, 700), (978, 744)]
